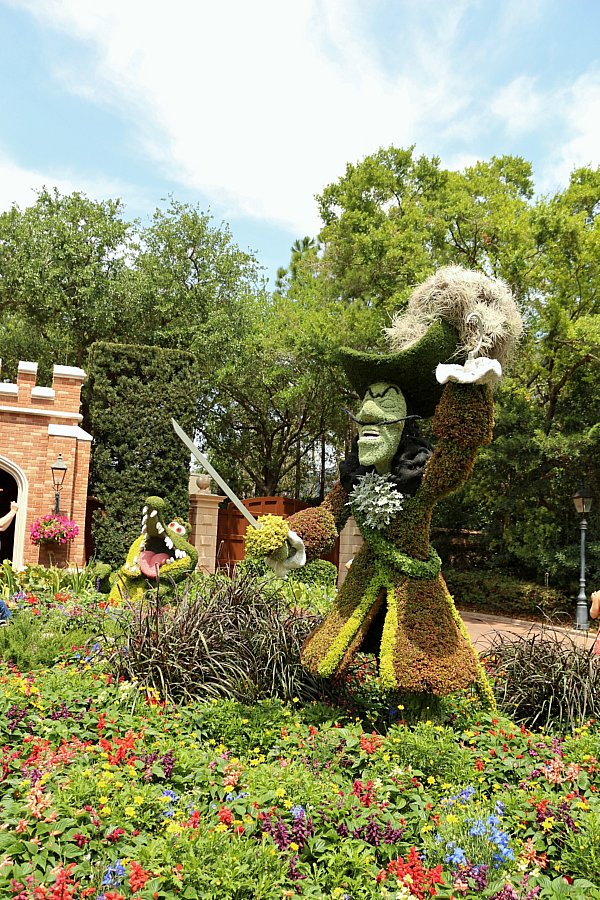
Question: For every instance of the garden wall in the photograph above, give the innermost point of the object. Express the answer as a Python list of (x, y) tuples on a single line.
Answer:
[(36, 424)]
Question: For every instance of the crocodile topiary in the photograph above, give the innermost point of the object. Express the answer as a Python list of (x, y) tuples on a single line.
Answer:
[(161, 554)]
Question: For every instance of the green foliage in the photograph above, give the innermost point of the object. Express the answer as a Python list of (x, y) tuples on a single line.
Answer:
[(46, 629), (64, 266), (432, 750), (316, 572), (133, 392), (493, 592), (268, 538), (581, 854)]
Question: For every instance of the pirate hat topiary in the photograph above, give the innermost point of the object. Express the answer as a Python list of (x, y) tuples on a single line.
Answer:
[(444, 317), (411, 369)]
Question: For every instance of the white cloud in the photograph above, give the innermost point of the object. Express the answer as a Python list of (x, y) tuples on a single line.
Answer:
[(580, 111), (19, 185), (256, 105), (520, 105)]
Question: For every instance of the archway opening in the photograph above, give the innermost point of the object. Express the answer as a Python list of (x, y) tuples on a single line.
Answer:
[(9, 491)]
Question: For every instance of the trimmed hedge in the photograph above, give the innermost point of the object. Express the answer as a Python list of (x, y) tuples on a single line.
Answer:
[(502, 595), (132, 392)]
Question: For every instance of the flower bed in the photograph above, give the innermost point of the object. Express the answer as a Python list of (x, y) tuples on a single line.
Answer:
[(110, 794)]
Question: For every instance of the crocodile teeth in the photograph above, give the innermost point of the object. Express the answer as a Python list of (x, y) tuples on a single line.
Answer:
[(153, 513), (169, 543), (180, 554), (144, 510), (159, 528), (135, 559), (170, 560)]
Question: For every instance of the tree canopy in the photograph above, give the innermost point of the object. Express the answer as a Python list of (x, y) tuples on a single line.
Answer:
[(268, 391)]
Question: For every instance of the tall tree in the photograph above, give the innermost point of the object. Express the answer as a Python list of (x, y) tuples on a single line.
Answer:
[(63, 279)]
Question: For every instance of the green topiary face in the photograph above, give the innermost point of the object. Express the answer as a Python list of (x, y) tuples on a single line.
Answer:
[(377, 441)]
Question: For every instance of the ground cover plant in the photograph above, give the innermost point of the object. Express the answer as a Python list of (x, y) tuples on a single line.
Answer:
[(110, 792)]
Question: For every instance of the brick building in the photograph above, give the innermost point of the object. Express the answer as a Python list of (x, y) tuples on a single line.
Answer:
[(36, 424)]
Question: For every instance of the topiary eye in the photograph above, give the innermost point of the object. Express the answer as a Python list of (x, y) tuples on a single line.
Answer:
[(177, 527)]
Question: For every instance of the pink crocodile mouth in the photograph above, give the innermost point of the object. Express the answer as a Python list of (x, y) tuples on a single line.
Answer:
[(150, 563)]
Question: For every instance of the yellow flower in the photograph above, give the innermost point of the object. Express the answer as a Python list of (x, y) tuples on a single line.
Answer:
[(129, 810), (221, 827), (451, 818), (105, 811), (431, 780), (280, 792), (548, 823), (138, 799), (294, 846), (102, 799)]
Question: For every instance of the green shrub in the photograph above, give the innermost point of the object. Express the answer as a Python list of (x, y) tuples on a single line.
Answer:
[(317, 572), (581, 853), (503, 595), (432, 750), (34, 642), (132, 393)]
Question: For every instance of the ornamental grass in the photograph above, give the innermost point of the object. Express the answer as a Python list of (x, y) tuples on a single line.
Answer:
[(219, 636), (545, 679)]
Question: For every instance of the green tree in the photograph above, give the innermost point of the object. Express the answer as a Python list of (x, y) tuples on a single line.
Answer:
[(64, 279), (194, 281)]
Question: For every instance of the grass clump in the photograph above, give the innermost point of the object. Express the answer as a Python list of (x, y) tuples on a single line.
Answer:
[(222, 636), (544, 679)]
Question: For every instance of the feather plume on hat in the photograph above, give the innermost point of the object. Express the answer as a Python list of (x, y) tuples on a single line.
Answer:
[(453, 294)]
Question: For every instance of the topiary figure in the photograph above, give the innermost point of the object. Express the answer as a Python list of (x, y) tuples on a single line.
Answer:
[(160, 554), (394, 600)]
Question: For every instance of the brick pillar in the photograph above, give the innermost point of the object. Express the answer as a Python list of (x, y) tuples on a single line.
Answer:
[(204, 514), (350, 543)]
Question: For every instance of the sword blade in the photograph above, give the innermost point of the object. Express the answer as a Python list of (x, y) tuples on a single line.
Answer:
[(213, 473)]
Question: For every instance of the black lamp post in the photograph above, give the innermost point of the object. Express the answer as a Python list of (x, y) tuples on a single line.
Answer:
[(582, 501), (59, 470)]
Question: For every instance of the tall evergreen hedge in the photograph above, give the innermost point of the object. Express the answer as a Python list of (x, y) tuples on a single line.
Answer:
[(131, 394)]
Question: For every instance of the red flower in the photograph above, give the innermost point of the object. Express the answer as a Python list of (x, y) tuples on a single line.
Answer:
[(410, 873), (225, 816), (138, 877), (114, 835), (370, 743)]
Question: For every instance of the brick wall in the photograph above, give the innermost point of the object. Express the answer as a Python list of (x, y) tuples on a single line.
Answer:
[(36, 424)]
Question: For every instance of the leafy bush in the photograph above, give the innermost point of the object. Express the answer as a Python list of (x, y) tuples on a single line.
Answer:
[(43, 631), (220, 637), (316, 572), (49, 580), (545, 679), (504, 595), (581, 854)]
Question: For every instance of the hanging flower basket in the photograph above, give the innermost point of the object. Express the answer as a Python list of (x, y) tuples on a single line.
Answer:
[(53, 529)]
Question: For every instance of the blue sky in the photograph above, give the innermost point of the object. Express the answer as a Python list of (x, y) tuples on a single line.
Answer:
[(251, 108)]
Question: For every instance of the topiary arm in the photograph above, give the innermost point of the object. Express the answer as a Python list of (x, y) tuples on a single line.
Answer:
[(463, 422), (319, 526)]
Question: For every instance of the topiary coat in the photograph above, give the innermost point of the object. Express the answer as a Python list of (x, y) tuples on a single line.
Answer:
[(394, 594)]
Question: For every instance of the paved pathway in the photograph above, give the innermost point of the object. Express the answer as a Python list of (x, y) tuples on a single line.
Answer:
[(483, 627)]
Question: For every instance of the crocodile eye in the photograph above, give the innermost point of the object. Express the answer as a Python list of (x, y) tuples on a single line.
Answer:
[(177, 527)]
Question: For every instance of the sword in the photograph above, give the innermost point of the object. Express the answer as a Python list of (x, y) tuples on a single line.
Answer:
[(213, 473)]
